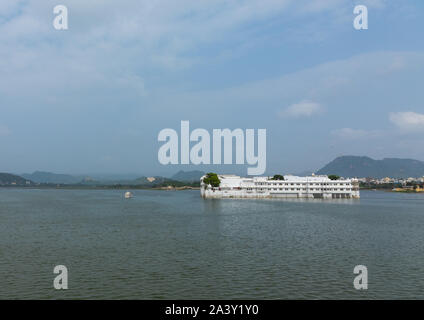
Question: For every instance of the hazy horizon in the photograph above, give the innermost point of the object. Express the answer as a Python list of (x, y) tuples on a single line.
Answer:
[(222, 169)]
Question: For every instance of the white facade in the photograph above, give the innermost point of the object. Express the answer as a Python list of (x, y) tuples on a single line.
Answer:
[(314, 187)]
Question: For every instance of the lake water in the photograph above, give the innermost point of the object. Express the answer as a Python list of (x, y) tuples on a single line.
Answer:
[(176, 245)]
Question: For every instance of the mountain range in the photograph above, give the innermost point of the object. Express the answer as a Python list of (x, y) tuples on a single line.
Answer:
[(48, 177), (345, 166), (362, 167), (191, 176), (56, 178)]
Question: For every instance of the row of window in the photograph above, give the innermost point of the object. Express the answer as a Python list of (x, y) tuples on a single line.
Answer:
[(298, 189), (301, 184)]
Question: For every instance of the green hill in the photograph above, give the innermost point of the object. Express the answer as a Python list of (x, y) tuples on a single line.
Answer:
[(188, 175), (7, 179), (49, 177), (361, 167)]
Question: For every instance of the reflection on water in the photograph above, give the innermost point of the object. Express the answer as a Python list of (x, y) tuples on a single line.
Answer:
[(166, 244)]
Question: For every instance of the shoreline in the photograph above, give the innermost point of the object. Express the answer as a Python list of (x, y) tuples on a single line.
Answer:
[(101, 188), (165, 188)]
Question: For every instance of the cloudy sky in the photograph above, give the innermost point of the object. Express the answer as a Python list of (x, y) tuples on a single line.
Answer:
[(93, 98)]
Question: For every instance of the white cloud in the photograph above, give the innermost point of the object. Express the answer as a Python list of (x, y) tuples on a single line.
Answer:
[(4, 131), (112, 47), (304, 108), (134, 38), (407, 121), (340, 79)]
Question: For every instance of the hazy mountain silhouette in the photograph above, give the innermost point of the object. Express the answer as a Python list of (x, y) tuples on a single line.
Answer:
[(361, 167)]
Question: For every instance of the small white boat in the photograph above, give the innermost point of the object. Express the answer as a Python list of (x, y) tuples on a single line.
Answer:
[(128, 195)]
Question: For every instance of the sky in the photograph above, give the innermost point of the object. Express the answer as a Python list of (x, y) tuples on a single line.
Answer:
[(93, 98)]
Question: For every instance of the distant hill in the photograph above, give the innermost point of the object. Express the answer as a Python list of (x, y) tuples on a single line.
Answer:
[(158, 181), (188, 175), (49, 177), (110, 176), (11, 179), (150, 182), (95, 180), (362, 167)]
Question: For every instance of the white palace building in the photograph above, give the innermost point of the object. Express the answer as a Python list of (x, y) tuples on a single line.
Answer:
[(313, 187)]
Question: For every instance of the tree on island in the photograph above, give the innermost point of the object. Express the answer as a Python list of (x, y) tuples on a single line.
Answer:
[(333, 177), (277, 177), (212, 179)]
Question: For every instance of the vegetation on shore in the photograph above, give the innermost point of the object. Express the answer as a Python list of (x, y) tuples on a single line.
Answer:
[(7, 179), (212, 179), (10, 181), (173, 186), (333, 177), (398, 187)]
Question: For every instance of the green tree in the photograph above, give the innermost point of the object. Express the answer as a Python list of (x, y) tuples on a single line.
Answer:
[(333, 177), (212, 179), (277, 177)]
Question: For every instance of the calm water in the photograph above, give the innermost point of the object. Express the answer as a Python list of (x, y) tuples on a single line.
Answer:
[(175, 245)]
